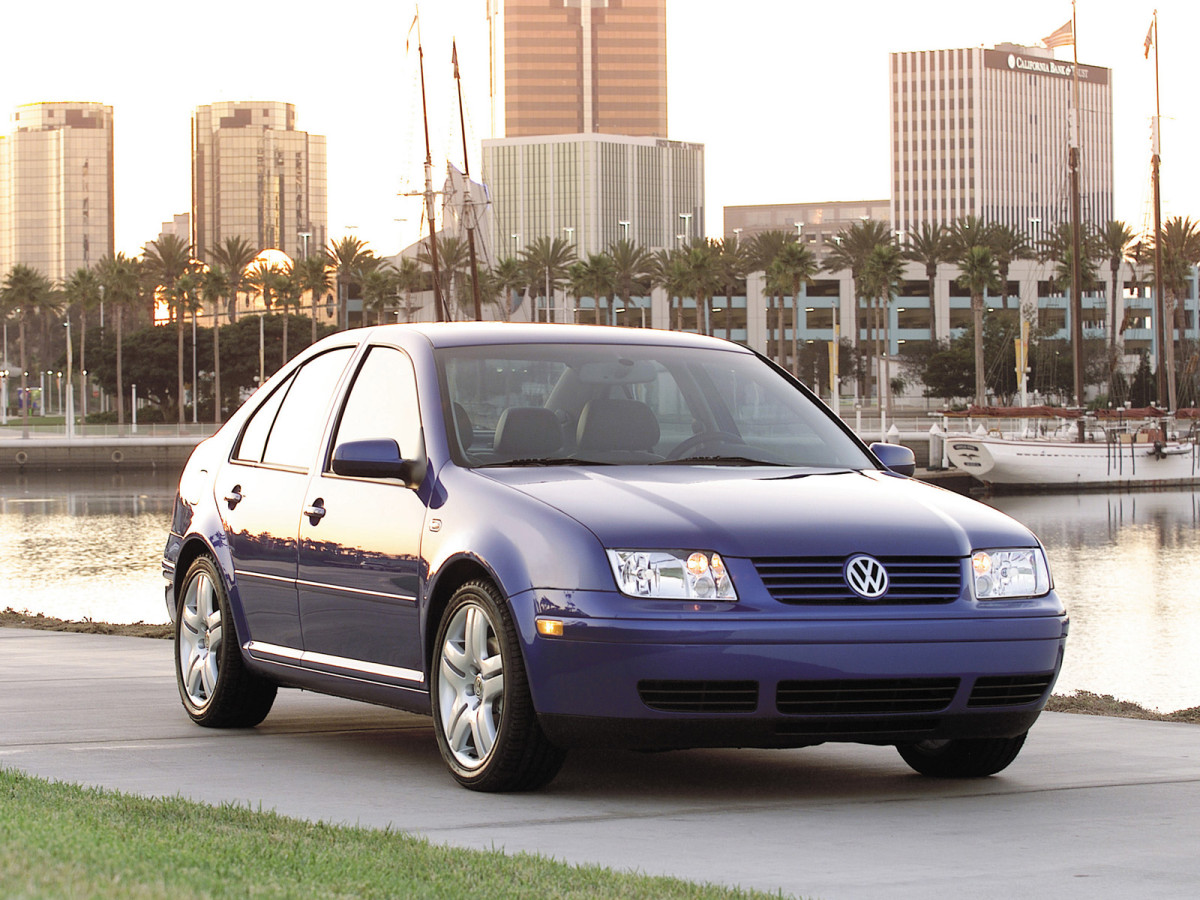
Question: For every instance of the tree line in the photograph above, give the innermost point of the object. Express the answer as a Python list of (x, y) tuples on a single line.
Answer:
[(702, 271)]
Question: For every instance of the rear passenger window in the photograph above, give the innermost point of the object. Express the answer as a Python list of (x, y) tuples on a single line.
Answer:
[(301, 419), (287, 428)]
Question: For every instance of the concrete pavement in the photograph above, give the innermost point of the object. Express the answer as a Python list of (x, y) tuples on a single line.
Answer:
[(1092, 808)]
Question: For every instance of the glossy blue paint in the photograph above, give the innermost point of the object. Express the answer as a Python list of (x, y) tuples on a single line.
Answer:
[(353, 569)]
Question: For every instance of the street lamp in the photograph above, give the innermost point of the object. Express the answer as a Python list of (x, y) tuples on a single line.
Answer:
[(687, 224), (570, 233), (70, 382), (304, 236), (624, 223)]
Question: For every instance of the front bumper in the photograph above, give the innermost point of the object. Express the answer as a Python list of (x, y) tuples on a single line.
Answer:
[(797, 679)]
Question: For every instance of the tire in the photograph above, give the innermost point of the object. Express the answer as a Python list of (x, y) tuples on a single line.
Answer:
[(486, 726), (216, 689), (963, 757)]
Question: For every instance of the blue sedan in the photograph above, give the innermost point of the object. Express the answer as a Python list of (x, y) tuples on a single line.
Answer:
[(548, 537)]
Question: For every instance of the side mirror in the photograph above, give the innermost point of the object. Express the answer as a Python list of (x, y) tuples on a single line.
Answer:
[(896, 458), (379, 458)]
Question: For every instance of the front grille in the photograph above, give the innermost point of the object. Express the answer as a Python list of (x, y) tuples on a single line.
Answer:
[(870, 696), (1009, 690), (700, 696), (819, 580)]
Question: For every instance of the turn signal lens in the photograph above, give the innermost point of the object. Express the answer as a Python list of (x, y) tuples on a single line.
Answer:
[(1004, 574), (550, 627)]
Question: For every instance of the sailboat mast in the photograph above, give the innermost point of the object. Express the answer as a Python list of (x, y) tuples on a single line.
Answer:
[(467, 207), (438, 300), (1076, 230), (1164, 380)]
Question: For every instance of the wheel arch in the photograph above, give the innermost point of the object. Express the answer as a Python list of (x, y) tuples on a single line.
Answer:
[(452, 575)]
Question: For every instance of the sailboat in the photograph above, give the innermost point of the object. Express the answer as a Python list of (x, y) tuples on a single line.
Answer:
[(1110, 449)]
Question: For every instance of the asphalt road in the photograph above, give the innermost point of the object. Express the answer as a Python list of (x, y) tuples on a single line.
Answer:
[(1092, 808)]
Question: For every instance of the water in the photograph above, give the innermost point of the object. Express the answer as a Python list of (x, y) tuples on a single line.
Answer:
[(88, 547)]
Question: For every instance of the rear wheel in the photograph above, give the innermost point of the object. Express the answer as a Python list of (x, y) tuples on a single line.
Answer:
[(216, 689), (962, 757), (487, 729)]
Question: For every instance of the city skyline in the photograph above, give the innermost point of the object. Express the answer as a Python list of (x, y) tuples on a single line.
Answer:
[(728, 77)]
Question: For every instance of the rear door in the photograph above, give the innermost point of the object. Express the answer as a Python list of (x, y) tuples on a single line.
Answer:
[(260, 491)]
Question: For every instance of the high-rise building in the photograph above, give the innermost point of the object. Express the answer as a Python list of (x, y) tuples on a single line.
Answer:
[(256, 177), (56, 187), (583, 66), (592, 190), (986, 133)]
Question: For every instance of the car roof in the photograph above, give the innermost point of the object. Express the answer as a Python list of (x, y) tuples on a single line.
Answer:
[(469, 334)]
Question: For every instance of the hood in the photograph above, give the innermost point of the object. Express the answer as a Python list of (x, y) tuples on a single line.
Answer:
[(751, 512)]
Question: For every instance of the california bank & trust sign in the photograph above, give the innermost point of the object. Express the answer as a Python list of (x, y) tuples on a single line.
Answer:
[(999, 59)]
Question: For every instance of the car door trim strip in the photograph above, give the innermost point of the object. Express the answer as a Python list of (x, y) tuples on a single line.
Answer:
[(307, 658)]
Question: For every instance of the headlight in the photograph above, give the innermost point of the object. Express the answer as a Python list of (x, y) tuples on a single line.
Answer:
[(672, 574), (1001, 574)]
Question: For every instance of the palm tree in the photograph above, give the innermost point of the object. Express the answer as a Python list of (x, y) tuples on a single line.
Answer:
[(26, 291), (215, 286), (121, 277), (852, 247), (347, 258), (593, 277), (83, 291), (762, 252), (510, 278), (631, 264), (312, 275), (547, 260), (1180, 240), (453, 263), (978, 268), (379, 288), (168, 260), (881, 278), (409, 278), (288, 292), (734, 261), (968, 232), (1117, 238), (930, 245), (794, 265), (1007, 244), (671, 274), (183, 296), (234, 254), (704, 277)]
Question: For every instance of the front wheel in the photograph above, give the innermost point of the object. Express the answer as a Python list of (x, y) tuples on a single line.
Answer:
[(962, 757), (216, 689), (487, 729)]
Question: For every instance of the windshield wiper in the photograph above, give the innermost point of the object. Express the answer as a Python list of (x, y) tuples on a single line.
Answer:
[(545, 461), (719, 460)]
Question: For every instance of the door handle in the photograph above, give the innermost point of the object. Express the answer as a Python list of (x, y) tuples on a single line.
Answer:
[(315, 512), (234, 496)]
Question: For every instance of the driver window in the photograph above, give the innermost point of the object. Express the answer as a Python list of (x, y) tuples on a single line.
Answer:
[(382, 403)]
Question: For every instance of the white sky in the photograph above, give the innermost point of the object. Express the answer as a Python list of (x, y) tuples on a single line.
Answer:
[(790, 97)]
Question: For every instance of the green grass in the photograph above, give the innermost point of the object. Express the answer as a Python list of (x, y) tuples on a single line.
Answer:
[(59, 840)]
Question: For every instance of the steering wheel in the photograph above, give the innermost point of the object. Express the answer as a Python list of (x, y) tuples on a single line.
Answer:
[(687, 445)]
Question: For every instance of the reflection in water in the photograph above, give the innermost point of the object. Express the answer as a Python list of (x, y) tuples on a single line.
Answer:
[(1125, 564), (85, 546), (90, 547)]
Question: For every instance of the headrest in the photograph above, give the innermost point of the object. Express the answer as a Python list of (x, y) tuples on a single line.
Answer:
[(527, 431), (607, 425)]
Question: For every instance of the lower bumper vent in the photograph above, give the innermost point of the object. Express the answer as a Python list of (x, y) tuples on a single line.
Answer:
[(700, 696), (1008, 690), (858, 696)]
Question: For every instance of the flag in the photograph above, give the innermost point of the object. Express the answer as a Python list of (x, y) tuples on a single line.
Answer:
[(408, 37), (454, 56), (1063, 36), (1149, 39)]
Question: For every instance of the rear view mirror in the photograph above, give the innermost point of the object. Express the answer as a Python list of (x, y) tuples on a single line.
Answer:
[(896, 458), (378, 458)]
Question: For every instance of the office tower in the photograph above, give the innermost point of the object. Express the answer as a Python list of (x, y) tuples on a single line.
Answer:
[(985, 133), (56, 188), (256, 177), (593, 189), (583, 66)]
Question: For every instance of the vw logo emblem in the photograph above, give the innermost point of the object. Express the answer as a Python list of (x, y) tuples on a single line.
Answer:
[(866, 576)]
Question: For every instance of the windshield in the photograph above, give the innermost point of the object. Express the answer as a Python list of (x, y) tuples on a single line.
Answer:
[(579, 404)]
